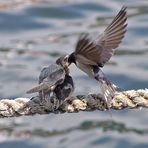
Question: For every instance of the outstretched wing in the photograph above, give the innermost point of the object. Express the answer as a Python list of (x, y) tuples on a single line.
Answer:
[(99, 52)]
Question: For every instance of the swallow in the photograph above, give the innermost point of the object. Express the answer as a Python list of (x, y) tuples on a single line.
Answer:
[(90, 56), (55, 81), (64, 91)]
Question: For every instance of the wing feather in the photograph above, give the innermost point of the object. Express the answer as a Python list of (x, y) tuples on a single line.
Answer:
[(100, 52), (50, 76)]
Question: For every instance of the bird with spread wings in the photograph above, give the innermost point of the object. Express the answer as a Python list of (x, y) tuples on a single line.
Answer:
[(90, 56)]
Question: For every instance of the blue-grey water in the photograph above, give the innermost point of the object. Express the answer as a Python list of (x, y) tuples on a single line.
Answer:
[(34, 34)]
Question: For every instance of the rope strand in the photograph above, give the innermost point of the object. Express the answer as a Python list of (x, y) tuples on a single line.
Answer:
[(25, 106)]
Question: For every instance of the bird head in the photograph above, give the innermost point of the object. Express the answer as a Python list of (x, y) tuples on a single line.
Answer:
[(63, 61), (72, 58)]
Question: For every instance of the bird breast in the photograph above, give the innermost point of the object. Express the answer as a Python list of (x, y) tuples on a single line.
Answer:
[(86, 68)]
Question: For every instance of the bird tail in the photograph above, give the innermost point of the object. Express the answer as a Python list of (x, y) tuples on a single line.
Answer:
[(38, 88), (109, 89)]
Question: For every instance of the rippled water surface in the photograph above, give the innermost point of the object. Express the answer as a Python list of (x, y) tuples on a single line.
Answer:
[(33, 33)]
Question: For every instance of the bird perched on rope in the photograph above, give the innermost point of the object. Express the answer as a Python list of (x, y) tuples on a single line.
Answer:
[(55, 82), (90, 56)]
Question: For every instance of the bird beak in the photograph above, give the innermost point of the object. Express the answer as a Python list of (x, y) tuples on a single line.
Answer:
[(68, 64), (66, 60)]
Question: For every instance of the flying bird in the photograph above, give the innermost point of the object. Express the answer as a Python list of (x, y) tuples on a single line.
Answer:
[(90, 56), (55, 81)]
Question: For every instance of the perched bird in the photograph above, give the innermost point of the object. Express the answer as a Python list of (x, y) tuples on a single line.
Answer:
[(65, 89), (90, 56), (55, 81)]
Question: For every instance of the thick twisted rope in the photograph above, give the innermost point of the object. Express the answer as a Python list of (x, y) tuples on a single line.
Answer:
[(25, 106)]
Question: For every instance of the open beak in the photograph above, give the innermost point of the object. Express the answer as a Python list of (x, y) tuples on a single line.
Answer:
[(68, 64), (66, 60)]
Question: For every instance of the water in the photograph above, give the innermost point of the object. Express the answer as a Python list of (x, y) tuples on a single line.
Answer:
[(33, 34)]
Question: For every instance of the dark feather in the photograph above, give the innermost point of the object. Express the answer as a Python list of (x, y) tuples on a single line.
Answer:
[(100, 52), (65, 89), (50, 76)]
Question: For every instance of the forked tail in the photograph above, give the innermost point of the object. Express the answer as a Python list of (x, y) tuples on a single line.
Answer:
[(108, 88)]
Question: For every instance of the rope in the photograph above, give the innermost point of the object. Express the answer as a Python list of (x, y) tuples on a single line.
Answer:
[(25, 106)]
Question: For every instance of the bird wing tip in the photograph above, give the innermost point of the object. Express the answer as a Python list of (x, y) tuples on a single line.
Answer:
[(29, 91), (124, 8)]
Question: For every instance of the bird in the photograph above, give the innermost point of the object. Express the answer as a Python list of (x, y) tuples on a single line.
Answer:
[(55, 82), (65, 89), (91, 55)]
